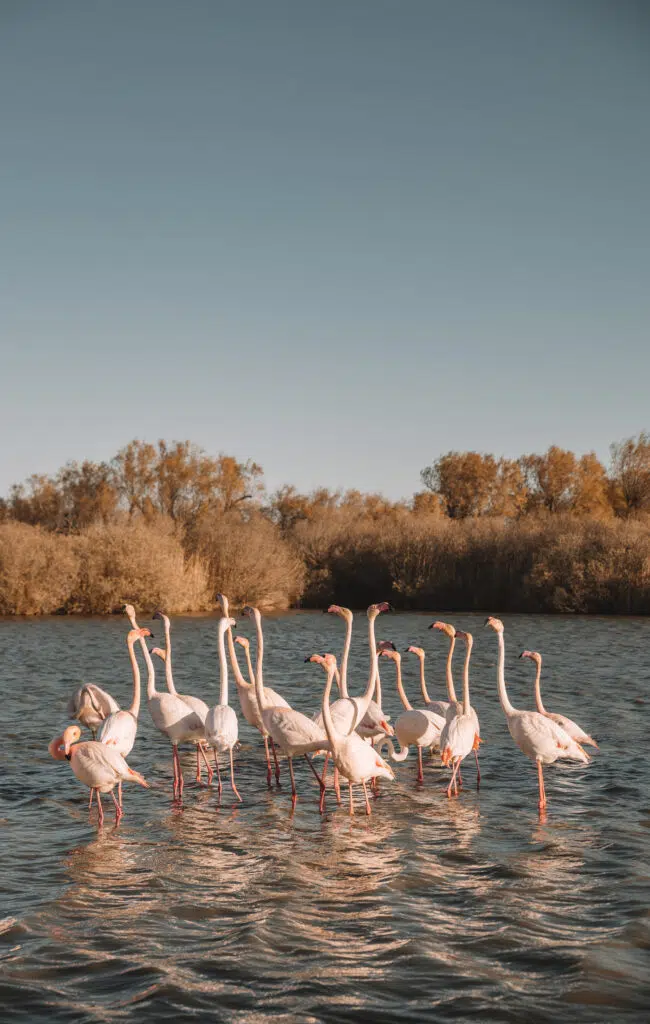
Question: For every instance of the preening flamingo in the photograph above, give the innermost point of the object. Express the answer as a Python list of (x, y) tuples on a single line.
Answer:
[(540, 738), (460, 734), (91, 705), (573, 729), (221, 726), (415, 726), (98, 766), (354, 759), (194, 703), (294, 733)]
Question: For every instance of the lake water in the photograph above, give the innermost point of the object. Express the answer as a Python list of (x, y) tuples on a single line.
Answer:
[(430, 910)]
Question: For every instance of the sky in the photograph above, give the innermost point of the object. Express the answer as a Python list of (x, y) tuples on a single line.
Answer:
[(337, 238)]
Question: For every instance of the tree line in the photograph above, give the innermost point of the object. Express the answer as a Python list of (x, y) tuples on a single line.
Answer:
[(169, 524)]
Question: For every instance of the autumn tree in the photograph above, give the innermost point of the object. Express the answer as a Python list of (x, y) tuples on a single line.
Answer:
[(559, 482), (630, 475), (470, 484)]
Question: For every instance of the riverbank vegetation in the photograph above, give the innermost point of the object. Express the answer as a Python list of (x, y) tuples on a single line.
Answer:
[(170, 525)]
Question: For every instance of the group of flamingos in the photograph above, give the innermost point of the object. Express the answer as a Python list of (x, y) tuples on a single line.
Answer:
[(351, 731)]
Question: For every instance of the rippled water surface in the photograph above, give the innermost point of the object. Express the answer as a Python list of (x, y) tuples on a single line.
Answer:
[(431, 909)]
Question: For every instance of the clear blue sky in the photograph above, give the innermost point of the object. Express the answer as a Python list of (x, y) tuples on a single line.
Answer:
[(337, 237)]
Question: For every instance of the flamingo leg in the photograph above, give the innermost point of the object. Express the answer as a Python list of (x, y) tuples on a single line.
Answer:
[(365, 793), (216, 764), (542, 791), (198, 763), (337, 786), (90, 802), (268, 761), (118, 809), (119, 793), (460, 778), (232, 777), (320, 782), (277, 765), (100, 818), (452, 781), (420, 777), (294, 794), (478, 770), (207, 763), (321, 806), (351, 801)]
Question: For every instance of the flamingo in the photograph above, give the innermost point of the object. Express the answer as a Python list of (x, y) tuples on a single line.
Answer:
[(244, 642), (370, 726), (460, 734), (119, 729), (293, 732), (450, 631), (540, 738), (457, 710), (91, 705), (97, 765), (573, 729), (439, 707), (421, 727), (246, 691), (174, 719), (194, 703), (355, 760), (221, 726)]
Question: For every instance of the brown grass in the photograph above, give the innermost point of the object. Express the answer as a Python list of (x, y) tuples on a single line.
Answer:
[(38, 570)]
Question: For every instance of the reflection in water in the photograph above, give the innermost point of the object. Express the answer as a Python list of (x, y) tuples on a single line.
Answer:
[(431, 909)]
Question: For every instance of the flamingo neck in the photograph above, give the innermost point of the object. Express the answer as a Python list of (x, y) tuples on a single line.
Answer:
[(169, 679), (343, 675), (135, 704), (363, 702), (466, 704), (423, 684), (249, 666), (223, 664), (450, 679), (151, 672), (400, 686), (538, 689), (240, 682), (501, 681), (374, 660), (259, 685), (325, 706)]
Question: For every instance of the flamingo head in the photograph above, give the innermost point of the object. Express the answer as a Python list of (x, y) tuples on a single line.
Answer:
[(327, 661), (336, 609), (387, 649), (415, 650), (158, 651), (223, 601), (55, 748), (495, 624), (460, 634), (71, 735), (244, 641), (137, 634), (444, 627), (161, 615), (248, 611), (229, 623), (129, 611), (533, 655), (375, 609)]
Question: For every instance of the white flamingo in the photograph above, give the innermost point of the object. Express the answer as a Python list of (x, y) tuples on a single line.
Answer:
[(174, 719), (91, 705), (354, 759), (573, 729), (460, 734), (439, 707), (540, 739), (98, 766), (293, 732), (414, 726), (221, 726), (195, 704), (370, 726), (457, 710), (455, 707)]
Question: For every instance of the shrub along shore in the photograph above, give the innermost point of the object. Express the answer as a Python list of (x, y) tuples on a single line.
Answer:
[(169, 526)]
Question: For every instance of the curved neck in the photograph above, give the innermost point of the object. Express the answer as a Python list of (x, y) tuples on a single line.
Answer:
[(363, 702), (169, 679), (327, 717), (501, 681), (249, 665), (450, 679), (400, 686), (466, 704), (234, 664), (135, 704), (423, 685), (223, 664), (343, 677), (374, 660), (538, 689), (259, 685), (151, 672)]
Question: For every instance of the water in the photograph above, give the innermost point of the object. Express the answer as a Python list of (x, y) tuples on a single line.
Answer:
[(432, 909)]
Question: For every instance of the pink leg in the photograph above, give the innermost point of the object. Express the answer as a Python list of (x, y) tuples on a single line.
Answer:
[(100, 818), (460, 778), (219, 785), (365, 793), (420, 768), (351, 800), (268, 761), (321, 806), (198, 763), (232, 777), (540, 779), (118, 809), (294, 794), (337, 786), (321, 802), (452, 781), (90, 802), (207, 763), (277, 765), (119, 793), (478, 770)]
